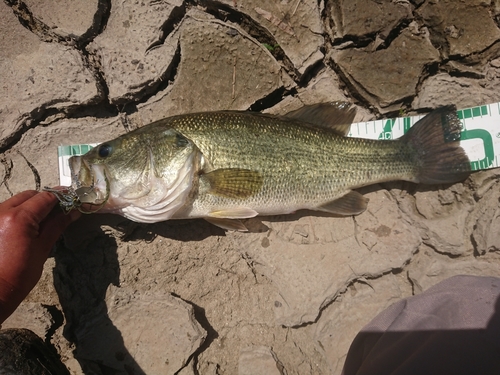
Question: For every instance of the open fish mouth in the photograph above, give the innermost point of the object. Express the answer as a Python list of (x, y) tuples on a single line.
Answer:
[(89, 191), (90, 184)]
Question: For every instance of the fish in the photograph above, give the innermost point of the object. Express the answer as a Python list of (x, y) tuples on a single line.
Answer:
[(225, 166)]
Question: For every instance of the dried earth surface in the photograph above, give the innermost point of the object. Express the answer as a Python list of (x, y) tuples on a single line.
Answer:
[(185, 297)]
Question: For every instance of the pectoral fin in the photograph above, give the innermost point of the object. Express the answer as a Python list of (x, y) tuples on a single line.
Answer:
[(353, 203), (233, 182), (227, 224), (336, 116)]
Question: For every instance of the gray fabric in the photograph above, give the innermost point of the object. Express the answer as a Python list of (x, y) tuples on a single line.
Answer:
[(452, 328)]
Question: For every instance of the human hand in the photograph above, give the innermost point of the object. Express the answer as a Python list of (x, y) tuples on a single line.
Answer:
[(30, 224)]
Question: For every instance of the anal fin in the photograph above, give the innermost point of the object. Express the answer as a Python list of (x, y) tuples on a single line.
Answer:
[(353, 203)]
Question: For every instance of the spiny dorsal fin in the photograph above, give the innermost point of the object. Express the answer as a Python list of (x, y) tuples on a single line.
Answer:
[(353, 203), (336, 116), (233, 182)]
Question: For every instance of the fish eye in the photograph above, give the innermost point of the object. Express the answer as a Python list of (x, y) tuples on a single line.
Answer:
[(180, 141), (104, 150)]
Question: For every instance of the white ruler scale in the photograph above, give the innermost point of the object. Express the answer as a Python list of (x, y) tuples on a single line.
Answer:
[(480, 137)]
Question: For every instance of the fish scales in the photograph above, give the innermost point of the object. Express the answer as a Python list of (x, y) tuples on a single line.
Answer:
[(298, 163)]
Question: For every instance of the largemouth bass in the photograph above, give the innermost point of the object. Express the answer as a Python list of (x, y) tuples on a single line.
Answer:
[(228, 165)]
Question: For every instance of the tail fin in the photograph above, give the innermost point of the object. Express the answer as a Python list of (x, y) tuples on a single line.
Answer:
[(436, 142)]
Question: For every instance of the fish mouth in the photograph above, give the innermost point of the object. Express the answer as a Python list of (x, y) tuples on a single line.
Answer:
[(89, 182)]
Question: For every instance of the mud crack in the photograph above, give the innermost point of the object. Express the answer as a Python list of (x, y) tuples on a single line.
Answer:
[(226, 13)]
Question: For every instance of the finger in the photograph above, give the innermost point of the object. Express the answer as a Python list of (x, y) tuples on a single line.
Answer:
[(39, 205), (18, 199)]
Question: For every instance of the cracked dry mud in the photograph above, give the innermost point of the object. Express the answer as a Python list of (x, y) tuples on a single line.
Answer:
[(183, 297)]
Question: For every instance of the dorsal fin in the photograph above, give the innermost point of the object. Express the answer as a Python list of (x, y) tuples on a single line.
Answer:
[(336, 116)]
